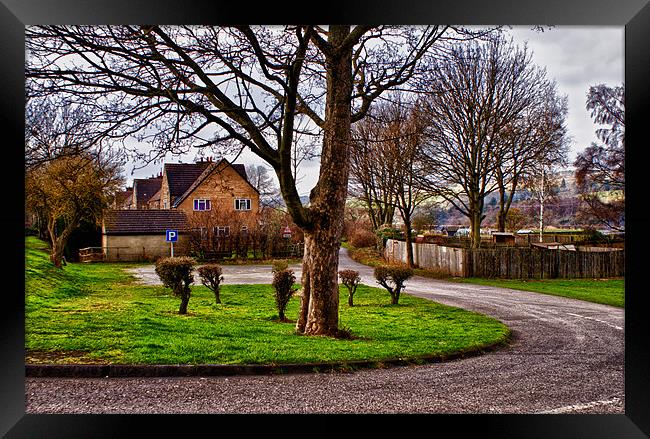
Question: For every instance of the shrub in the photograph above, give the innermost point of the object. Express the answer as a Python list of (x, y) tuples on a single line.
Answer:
[(392, 277), (283, 281), (176, 273), (211, 277), (351, 279), (386, 232), (280, 265), (361, 238)]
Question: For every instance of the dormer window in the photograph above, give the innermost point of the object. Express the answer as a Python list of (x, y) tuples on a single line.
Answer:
[(201, 204), (243, 204)]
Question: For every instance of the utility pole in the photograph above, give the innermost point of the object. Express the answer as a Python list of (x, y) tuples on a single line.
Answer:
[(541, 207)]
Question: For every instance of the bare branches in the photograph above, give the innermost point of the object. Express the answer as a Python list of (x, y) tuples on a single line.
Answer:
[(493, 117), (600, 168)]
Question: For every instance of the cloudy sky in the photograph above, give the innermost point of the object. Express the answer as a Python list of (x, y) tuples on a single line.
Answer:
[(577, 57)]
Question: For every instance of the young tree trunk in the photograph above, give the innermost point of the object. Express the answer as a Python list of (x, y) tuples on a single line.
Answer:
[(410, 261), (319, 312), (475, 219), (502, 213), (185, 299), (59, 242)]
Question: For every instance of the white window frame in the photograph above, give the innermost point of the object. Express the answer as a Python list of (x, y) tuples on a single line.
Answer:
[(247, 202), (222, 231), (197, 203)]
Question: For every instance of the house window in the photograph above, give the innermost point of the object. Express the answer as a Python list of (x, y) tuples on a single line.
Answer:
[(222, 231), (200, 204), (244, 230), (243, 204)]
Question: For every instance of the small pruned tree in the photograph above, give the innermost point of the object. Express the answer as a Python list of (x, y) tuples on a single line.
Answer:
[(176, 273), (392, 277), (283, 281), (351, 279), (211, 277), (280, 265)]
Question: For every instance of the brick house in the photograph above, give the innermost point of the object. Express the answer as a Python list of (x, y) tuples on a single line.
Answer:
[(207, 196)]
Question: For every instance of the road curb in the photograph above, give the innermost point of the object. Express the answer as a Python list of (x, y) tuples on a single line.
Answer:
[(203, 370)]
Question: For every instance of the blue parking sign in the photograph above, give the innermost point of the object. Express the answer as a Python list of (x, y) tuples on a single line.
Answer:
[(171, 235)]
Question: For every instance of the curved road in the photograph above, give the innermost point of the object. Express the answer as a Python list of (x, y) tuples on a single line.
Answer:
[(567, 356)]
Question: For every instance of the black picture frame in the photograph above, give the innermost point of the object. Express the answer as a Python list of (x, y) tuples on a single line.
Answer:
[(633, 14)]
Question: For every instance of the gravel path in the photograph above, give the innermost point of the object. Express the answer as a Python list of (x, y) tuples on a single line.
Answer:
[(567, 356)]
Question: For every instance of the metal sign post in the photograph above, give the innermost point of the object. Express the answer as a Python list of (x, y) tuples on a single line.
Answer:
[(171, 236)]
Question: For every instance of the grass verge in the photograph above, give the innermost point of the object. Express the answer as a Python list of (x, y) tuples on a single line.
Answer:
[(604, 291), (96, 313)]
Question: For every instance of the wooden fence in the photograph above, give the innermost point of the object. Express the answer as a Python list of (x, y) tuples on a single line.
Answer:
[(511, 262), (539, 263)]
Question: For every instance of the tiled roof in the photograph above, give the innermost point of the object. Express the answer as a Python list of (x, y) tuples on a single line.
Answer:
[(146, 188), (123, 198), (180, 177), (143, 221), (241, 170)]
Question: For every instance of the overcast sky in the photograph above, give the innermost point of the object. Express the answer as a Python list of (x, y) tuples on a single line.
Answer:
[(577, 57)]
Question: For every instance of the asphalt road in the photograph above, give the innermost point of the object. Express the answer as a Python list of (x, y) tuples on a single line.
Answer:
[(567, 356)]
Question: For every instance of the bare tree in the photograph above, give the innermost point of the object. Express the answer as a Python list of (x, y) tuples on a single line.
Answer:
[(196, 86), (543, 183), (600, 168), (537, 136), (371, 179), (474, 95), (259, 177), (54, 129), (386, 156)]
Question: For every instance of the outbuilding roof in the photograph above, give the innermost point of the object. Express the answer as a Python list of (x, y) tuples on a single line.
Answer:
[(143, 221)]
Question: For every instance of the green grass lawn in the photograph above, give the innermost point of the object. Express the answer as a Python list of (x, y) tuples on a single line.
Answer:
[(96, 313), (604, 291)]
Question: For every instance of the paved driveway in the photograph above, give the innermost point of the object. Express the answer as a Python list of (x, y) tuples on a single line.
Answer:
[(232, 274), (567, 356)]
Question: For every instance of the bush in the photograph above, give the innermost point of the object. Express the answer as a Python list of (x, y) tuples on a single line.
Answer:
[(392, 277), (361, 238), (176, 273), (283, 281), (211, 277), (351, 279), (280, 265), (386, 232)]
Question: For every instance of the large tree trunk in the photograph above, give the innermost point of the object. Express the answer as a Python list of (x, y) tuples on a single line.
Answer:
[(320, 294)]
